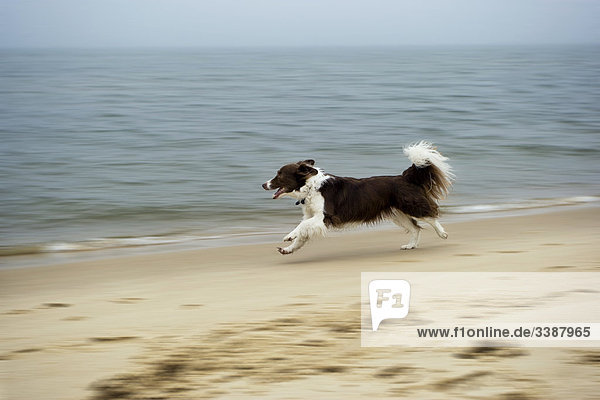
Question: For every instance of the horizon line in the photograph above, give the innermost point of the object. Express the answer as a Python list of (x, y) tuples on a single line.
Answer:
[(292, 46)]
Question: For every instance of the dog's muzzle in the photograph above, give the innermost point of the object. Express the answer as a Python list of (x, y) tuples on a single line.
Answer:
[(279, 192)]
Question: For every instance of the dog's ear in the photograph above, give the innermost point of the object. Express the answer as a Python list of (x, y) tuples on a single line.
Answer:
[(306, 170), (309, 162)]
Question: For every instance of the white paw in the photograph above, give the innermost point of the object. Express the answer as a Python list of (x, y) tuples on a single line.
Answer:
[(287, 250), (444, 235), (409, 246), (290, 237)]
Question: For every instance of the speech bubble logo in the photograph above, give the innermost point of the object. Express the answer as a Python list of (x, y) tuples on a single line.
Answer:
[(389, 298)]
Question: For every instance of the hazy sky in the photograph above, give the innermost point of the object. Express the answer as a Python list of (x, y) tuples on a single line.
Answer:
[(128, 23)]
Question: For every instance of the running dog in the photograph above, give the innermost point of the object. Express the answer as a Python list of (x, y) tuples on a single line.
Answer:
[(330, 201)]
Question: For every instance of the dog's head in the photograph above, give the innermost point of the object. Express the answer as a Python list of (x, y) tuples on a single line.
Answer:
[(291, 177)]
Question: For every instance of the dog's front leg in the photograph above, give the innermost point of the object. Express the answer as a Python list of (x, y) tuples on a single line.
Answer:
[(298, 237), (306, 230), (293, 235), (296, 244)]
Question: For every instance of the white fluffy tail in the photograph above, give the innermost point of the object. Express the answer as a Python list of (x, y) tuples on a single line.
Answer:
[(423, 154)]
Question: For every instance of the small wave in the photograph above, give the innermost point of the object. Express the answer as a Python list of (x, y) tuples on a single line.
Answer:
[(520, 205), (119, 242), (253, 234), (95, 244), (545, 149)]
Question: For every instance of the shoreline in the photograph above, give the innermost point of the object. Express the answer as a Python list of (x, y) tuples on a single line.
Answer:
[(49, 258), (224, 318)]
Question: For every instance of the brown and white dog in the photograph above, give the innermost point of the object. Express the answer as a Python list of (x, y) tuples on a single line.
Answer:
[(330, 201)]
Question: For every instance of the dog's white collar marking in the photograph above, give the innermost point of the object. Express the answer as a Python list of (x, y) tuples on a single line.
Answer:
[(312, 224), (310, 188)]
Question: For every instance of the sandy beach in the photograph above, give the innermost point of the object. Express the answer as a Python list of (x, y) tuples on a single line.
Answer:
[(246, 322)]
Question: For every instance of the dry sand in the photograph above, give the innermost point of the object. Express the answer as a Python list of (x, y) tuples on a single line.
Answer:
[(246, 322)]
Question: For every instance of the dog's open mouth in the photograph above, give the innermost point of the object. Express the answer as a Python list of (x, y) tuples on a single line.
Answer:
[(279, 192)]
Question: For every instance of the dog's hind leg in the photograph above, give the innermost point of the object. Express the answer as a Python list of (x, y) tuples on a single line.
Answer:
[(439, 229), (411, 227)]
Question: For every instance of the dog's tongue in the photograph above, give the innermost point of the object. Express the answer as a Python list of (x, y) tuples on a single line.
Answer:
[(278, 193)]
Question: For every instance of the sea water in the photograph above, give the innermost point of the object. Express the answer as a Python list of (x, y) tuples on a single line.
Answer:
[(109, 148)]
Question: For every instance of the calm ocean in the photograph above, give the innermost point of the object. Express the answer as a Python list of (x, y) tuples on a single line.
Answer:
[(109, 148)]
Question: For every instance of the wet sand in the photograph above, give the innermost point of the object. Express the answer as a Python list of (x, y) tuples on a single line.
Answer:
[(246, 322)]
